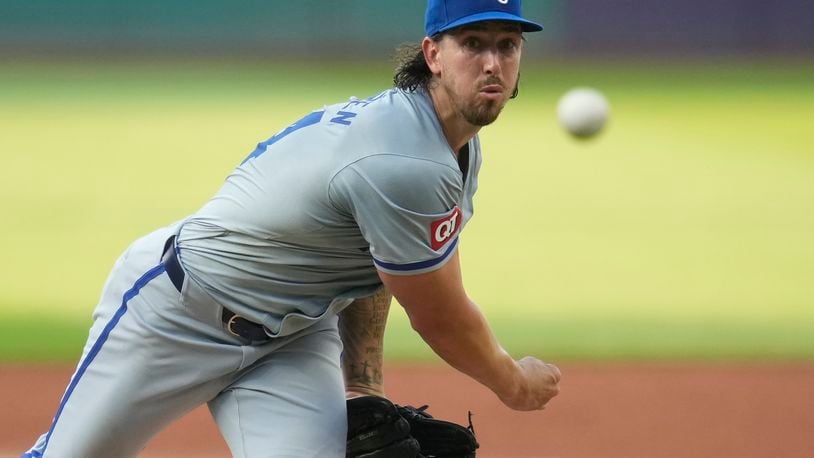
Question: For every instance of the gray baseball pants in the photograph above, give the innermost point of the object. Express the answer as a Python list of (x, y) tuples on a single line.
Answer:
[(154, 354)]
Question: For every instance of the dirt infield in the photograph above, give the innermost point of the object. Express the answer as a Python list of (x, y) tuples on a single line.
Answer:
[(619, 410)]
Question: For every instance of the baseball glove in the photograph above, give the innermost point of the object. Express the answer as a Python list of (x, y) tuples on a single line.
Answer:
[(377, 428), (439, 438)]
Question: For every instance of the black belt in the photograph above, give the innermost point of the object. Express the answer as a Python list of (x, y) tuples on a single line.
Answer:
[(235, 323)]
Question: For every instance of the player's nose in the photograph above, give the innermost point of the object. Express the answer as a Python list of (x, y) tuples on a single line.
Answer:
[(491, 61)]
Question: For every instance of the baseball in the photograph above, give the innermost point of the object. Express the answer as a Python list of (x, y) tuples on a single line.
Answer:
[(583, 111)]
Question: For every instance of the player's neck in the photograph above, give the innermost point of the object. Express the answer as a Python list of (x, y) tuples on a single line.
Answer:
[(457, 130)]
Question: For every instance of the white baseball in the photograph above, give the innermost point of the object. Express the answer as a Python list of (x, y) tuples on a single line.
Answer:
[(583, 111)]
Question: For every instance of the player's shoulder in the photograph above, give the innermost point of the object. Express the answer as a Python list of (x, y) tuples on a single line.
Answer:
[(394, 126), (391, 168), (395, 145), (397, 165), (408, 181), (390, 111)]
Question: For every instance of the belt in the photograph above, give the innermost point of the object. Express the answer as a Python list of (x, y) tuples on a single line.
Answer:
[(235, 324)]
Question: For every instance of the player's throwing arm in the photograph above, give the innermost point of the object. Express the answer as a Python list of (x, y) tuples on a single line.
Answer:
[(450, 323)]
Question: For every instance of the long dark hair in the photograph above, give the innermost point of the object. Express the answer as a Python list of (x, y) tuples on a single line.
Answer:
[(412, 71)]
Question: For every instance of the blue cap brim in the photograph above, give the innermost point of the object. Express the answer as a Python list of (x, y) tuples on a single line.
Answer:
[(526, 25)]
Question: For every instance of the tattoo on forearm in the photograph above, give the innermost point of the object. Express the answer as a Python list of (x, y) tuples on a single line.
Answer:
[(361, 327)]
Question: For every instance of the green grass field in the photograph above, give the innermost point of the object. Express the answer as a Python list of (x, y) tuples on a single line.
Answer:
[(685, 231)]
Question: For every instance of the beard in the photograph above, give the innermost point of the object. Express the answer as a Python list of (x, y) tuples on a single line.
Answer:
[(477, 111), (482, 114)]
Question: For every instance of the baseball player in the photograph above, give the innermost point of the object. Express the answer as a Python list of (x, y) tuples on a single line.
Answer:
[(237, 306)]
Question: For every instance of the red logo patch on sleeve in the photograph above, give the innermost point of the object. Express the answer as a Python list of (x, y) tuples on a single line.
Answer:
[(442, 230)]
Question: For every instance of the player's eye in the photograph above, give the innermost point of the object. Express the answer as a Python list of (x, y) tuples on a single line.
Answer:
[(508, 46), (472, 43)]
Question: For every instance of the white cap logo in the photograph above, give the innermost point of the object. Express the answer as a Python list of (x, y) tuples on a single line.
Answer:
[(503, 2)]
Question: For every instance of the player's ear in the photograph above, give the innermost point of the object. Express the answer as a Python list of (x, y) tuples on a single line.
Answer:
[(431, 49)]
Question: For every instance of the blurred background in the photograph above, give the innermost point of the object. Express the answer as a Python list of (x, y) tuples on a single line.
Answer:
[(353, 29), (683, 231)]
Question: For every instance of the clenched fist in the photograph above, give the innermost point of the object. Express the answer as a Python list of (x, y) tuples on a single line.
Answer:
[(536, 383)]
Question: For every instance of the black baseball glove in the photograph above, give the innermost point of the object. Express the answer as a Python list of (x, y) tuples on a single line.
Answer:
[(377, 428)]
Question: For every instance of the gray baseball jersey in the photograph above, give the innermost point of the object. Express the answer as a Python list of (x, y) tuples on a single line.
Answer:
[(297, 231), (300, 227)]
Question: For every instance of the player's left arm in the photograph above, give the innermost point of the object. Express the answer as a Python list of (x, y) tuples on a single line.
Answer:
[(361, 327)]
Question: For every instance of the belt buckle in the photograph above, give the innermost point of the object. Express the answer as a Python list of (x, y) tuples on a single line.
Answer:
[(229, 324)]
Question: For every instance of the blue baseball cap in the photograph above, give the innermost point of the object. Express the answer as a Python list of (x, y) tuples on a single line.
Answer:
[(443, 15)]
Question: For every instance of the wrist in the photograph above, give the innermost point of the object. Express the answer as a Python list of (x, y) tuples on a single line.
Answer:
[(355, 391), (514, 386)]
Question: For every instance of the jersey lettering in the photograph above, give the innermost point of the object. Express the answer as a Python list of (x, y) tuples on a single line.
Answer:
[(308, 120), (442, 230), (343, 117)]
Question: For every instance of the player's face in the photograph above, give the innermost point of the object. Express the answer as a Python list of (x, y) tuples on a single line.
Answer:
[(479, 66)]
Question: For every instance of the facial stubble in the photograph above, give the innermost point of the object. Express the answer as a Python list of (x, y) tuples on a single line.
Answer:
[(477, 112)]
